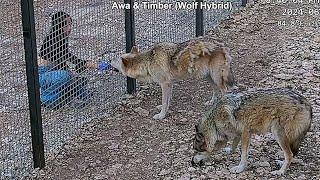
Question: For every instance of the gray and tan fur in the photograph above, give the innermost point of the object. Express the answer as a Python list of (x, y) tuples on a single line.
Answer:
[(202, 57), (284, 113)]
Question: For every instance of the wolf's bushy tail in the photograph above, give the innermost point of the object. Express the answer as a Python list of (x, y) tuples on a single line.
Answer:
[(295, 143)]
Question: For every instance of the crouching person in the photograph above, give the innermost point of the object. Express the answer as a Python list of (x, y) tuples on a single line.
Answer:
[(60, 70)]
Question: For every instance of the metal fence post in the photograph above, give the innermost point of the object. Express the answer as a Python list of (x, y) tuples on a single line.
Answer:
[(199, 19), (130, 40), (30, 47)]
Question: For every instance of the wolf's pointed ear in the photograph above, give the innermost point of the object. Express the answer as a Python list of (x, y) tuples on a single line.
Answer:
[(227, 112), (125, 62), (191, 43), (134, 50), (205, 51)]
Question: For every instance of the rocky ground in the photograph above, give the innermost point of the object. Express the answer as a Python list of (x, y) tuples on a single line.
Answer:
[(95, 25), (129, 144)]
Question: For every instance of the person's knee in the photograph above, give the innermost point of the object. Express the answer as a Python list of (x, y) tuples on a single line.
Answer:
[(63, 75)]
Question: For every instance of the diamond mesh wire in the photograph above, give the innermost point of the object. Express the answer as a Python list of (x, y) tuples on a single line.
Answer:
[(15, 140), (97, 34), (156, 25), (212, 17)]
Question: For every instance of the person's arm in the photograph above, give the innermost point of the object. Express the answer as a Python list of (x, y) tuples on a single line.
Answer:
[(80, 65), (44, 50), (44, 55), (91, 65), (43, 62), (102, 66)]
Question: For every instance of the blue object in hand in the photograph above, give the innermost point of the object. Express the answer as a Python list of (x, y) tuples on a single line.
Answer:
[(104, 66)]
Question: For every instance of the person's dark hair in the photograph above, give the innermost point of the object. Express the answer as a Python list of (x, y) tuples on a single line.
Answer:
[(58, 21), (55, 47)]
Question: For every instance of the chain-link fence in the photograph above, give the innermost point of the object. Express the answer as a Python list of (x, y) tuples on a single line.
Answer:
[(178, 23), (78, 36), (75, 84), (87, 36), (155, 25), (15, 139), (75, 41), (212, 17)]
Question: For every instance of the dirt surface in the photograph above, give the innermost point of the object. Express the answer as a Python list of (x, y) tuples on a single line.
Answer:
[(131, 145)]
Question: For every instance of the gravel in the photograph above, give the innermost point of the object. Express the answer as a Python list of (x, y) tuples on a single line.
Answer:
[(128, 144), (15, 137), (265, 56)]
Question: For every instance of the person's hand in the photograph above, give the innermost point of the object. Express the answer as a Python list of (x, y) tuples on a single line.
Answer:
[(91, 65), (43, 62), (104, 66)]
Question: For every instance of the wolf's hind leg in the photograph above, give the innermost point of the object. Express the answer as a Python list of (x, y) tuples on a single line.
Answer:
[(285, 146), (166, 97), (245, 142), (294, 161)]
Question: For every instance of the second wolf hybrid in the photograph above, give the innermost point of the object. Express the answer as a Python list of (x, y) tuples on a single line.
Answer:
[(284, 113)]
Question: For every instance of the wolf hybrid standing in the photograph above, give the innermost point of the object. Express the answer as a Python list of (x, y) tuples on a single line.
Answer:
[(236, 116), (166, 62)]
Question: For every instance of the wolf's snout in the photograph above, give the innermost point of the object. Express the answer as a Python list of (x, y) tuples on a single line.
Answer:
[(114, 69), (115, 65)]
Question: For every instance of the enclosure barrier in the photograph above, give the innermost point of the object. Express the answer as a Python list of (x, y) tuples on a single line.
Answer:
[(130, 41), (95, 34), (199, 20), (30, 47)]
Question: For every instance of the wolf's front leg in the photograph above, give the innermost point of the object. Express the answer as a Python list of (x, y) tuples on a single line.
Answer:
[(245, 141), (235, 143), (200, 158), (166, 97)]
